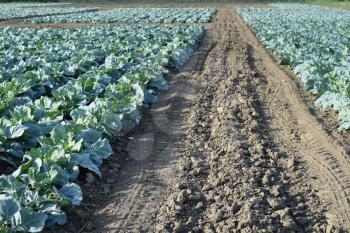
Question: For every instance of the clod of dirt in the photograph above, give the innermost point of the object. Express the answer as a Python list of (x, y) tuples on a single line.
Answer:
[(290, 163), (90, 178)]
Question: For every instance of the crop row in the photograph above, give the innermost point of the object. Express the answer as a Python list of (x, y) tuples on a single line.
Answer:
[(56, 122), (134, 15), (36, 62), (315, 42), (17, 11), (29, 4)]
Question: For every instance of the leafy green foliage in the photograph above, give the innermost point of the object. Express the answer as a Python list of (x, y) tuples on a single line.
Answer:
[(314, 41), (135, 15), (22, 10), (61, 112), (4, 229)]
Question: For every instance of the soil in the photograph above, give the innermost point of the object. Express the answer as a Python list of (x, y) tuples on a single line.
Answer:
[(234, 145)]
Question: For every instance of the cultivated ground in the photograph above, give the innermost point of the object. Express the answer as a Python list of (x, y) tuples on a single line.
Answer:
[(235, 145)]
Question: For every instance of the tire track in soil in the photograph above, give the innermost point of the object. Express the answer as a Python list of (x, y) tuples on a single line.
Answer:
[(244, 166), (301, 132)]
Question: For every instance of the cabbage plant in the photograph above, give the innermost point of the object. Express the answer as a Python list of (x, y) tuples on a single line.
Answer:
[(314, 41), (134, 15), (65, 101)]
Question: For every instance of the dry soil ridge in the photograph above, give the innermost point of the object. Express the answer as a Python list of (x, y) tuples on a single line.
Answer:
[(297, 129), (243, 180)]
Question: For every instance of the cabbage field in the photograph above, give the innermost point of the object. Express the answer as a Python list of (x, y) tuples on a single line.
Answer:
[(23, 10), (134, 15), (31, 4), (66, 94), (168, 117), (315, 41)]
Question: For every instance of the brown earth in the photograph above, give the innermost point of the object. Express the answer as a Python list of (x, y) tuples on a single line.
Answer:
[(234, 146)]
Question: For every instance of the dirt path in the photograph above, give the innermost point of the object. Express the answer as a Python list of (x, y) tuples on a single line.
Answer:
[(267, 164), (231, 147), (296, 128)]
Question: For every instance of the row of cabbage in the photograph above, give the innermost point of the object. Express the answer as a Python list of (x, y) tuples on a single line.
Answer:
[(61, 109), (134, 15), (17, 11), (315, 42), (30, 4)]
